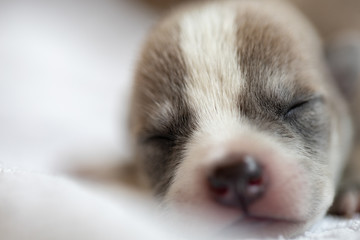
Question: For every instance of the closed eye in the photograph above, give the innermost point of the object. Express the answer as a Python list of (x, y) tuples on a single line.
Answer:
[(158, 139), (298, 105)]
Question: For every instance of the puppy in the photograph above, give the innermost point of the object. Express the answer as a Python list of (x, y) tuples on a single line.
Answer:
[(238, 121)]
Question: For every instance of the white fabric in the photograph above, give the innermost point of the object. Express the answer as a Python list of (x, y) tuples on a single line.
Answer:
[(65, 70), (40, 206)]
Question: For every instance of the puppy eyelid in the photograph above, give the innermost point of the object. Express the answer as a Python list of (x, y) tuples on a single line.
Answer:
[(297, 105), (156, 137), (300, 103)]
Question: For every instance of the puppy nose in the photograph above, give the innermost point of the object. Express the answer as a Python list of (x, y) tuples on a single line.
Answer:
[(239, 183)]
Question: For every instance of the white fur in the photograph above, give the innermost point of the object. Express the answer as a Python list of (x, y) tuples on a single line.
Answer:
[(208, 43)]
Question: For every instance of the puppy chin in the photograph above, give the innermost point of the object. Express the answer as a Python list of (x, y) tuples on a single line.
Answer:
[(286, 208)]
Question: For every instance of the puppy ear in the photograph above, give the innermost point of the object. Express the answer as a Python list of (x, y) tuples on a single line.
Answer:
[(343, 56)]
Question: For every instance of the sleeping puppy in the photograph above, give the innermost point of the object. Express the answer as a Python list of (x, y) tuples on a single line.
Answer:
[(238, 121)]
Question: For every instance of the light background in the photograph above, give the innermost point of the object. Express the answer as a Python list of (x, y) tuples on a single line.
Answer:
[(65, 74)]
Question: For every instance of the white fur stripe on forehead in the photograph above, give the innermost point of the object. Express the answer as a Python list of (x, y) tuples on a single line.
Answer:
[(208, 42)]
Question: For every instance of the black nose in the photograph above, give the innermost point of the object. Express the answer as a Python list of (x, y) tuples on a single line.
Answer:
[(238, 184)]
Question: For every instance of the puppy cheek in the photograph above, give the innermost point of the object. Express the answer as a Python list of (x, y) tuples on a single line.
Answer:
[(323, 193)]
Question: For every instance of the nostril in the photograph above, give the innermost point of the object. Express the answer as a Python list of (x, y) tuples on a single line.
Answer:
[(256, 181), (218, 189), (218, 185)]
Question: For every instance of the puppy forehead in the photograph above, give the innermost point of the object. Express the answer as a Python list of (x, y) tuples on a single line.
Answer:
[(242, 53), (208, 58)]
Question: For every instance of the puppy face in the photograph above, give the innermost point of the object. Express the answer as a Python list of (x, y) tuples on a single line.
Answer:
[(239, 85)]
